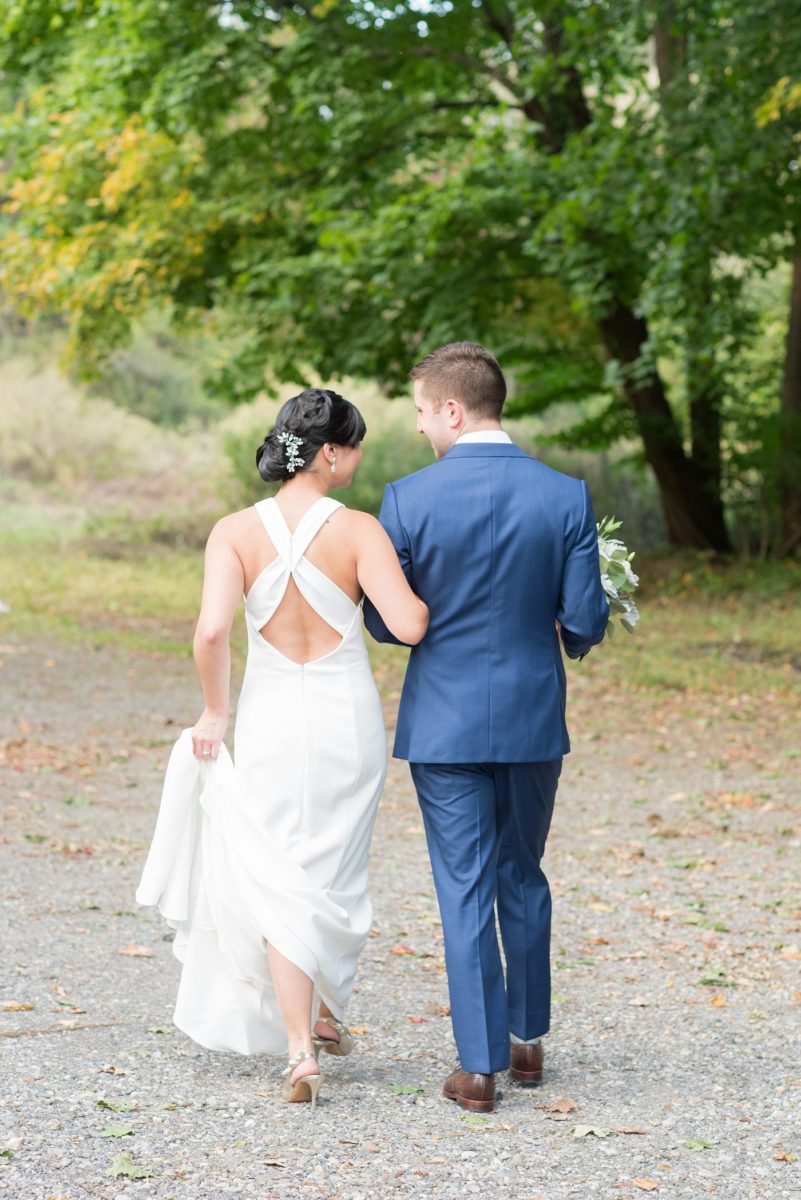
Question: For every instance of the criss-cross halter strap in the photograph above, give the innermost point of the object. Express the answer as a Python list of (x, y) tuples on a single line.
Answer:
[(291, 547), (326, 598)]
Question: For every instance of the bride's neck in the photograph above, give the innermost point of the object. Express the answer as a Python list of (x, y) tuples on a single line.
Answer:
[(309, 487)]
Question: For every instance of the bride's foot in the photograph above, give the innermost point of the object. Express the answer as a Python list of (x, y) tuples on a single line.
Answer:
[(332, 1035), (302, 1079)]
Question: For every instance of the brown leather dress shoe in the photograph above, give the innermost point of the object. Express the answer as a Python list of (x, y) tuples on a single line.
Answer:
[(470, 1090), (525, 1063)]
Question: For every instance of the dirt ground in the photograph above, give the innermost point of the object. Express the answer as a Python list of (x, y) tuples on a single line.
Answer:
[(674, 1061)]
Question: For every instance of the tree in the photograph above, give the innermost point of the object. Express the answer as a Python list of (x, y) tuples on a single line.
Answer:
[(782, 103), (343, 186)]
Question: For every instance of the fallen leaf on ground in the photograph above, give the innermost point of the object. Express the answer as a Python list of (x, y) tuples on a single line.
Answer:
[(115, 1105), (559, 1106), (646, 1185), (18, 1006), (598, 1131), (405, 1089), (715, 977), (110, 1069), (630, 1129), (159, 1029), (784, 1155), (475, 1120), (790, 952), (639, 1002), (416, 1020), (718, 1001), (123, 1164), (134, 951), (272, 1162), (358, 1028), (697, 1144), (115, 1131), (71, 1004)]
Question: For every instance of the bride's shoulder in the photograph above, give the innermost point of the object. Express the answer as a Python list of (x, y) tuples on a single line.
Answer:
[(360, 528), (356, 521), (234, 525)]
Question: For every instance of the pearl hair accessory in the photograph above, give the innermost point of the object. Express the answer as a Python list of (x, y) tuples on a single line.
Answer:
[(292, 443)]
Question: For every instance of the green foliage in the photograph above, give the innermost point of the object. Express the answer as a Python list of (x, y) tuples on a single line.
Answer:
[(340, 187), (160, 375)]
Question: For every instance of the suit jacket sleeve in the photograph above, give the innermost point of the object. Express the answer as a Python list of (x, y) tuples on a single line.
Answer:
[(583, 609), (390, 519)]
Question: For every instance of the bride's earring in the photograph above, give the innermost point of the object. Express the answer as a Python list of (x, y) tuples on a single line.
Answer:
[(334, 465)]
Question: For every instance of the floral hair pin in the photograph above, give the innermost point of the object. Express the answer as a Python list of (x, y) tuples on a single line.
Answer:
[(292, 443)]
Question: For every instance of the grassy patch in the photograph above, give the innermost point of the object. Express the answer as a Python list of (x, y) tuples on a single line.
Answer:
[(66, 593), (732, 628), (705, 629)]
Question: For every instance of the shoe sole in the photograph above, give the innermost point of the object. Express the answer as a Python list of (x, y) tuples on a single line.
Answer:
[(335, 1048), (480, 1106), (525, 1078)]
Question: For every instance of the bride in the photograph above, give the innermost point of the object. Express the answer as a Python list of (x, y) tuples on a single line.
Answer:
[(262, 868)]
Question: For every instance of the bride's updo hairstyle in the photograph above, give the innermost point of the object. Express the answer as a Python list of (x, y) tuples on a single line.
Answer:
[(304, 424)]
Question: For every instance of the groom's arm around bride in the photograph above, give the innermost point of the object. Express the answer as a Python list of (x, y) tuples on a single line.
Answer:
[(501, 548)]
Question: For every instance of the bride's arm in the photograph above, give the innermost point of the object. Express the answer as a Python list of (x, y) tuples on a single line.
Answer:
[(383, 582), (223, 584)]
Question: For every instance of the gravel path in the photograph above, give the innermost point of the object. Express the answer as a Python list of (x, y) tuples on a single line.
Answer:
[(677, 948)]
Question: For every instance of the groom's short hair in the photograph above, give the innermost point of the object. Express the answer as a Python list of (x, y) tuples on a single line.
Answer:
[(463, 371)]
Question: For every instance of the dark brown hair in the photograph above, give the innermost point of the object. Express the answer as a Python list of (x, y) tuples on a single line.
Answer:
[(312, 418), (463, 371)]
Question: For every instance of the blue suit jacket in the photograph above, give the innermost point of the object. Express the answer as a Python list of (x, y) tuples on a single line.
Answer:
[(500, 547)]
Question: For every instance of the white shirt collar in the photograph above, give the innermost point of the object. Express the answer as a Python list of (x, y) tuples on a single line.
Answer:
[(484, 435)]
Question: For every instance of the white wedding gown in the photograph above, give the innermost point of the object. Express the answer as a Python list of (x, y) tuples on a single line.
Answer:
[(274, 849)]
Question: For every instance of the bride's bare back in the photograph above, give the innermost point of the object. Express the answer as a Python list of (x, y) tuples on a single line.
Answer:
[(351, 549), (295, 629)]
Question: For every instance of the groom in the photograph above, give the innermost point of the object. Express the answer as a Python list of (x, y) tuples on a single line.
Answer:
[(504, 551)]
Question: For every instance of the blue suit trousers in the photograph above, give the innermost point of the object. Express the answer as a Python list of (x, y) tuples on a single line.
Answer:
[(486, 826)]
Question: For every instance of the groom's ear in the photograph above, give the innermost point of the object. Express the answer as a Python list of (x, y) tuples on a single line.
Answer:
[(454, 411)]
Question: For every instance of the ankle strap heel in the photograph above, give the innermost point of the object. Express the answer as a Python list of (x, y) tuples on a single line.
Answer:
[(339, 1046), (305, 1087)]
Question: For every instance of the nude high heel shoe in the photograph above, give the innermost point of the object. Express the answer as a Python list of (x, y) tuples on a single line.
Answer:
[(305, 1087), (339, 1046)]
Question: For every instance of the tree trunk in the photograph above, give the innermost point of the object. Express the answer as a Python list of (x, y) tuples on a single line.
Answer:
[(705, 392), (691, 519), (790, 425), (693, 512)]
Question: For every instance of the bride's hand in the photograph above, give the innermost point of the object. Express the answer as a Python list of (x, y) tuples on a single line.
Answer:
[(208, 734)]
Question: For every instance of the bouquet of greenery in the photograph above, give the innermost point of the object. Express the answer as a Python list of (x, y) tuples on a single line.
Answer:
[(618, 579)]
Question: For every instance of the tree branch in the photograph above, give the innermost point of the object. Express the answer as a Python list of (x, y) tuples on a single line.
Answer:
[(501, 23), (461, 60)]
